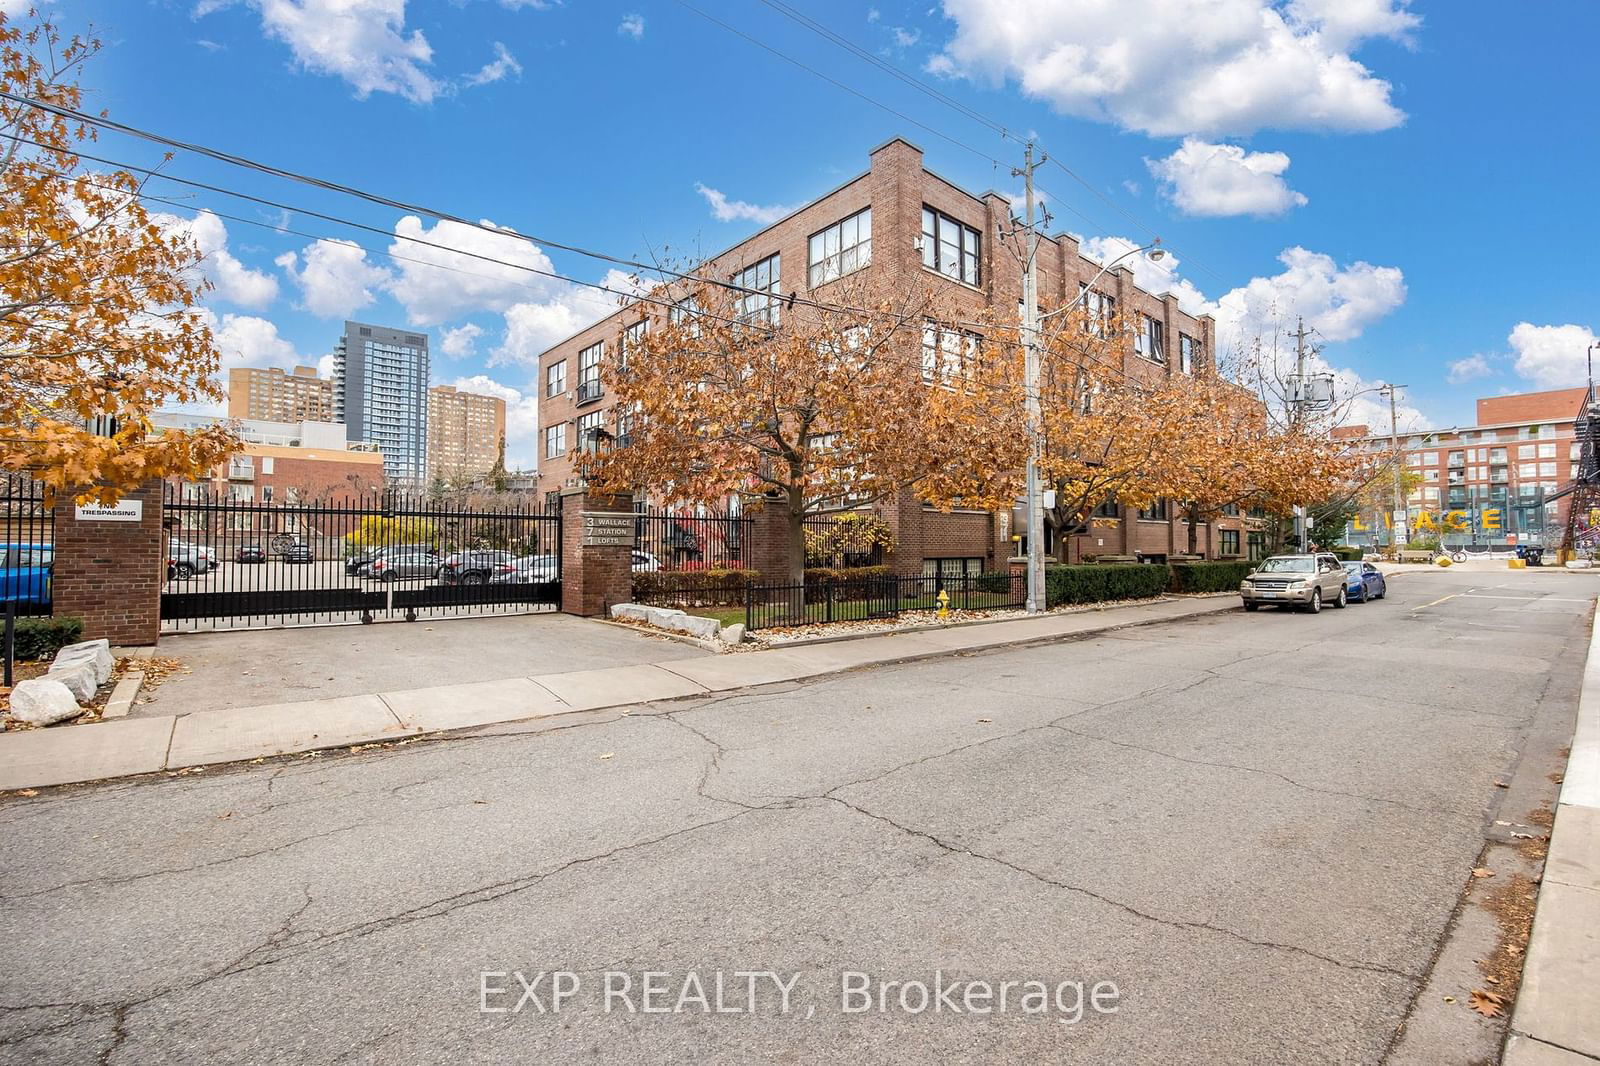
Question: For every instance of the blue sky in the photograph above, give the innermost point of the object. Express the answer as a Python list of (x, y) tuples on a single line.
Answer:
[(1415, 179)]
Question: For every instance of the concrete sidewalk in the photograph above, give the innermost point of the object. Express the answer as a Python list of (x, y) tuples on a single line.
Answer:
[(1557, 1020), (145, 745)]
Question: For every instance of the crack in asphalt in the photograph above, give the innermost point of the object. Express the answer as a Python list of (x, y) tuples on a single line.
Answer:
[(1176, 923)]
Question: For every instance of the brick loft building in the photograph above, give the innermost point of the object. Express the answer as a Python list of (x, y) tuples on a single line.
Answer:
[(900, 221), (465, 431), (1491, 483)]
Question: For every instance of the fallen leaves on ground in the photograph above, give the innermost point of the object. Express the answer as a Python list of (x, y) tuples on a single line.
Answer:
[(609, 755), (1482, 871), (1488, 1004)]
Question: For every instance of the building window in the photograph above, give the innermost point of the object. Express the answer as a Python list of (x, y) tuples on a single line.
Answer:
[(1187, 348), (843, 247), (950, 247), (589, 429), (555, 441), (1108, 508), (948, 355), (555, 379), (589, 371), (1148, 340), (1229, 540), (1257, 543), (631, 338), (1156, 512), (760, 302), (1230, 510), (951, 569), (685, 313), (1099, 309)]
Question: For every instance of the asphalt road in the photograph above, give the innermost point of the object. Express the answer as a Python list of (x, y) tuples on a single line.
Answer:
[(1253, 828)]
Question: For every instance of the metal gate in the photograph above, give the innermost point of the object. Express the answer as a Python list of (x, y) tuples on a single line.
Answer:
[(27, 545), (235, 561)]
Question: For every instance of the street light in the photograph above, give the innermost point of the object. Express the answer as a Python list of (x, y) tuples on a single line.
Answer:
[(1030, 332)]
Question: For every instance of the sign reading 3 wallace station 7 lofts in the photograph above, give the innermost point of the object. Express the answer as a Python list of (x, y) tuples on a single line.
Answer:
[(608, 529)]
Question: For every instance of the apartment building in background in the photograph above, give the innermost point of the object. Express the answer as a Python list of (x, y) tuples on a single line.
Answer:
[(465, 432), (899, 222), (380, 393), (1498, 483), (269, 394)]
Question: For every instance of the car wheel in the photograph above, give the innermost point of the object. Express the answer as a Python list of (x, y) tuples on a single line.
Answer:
[(472, 579), (1344, 597), (1315, 606), (386, 578), (1252, 607), (184, 571)]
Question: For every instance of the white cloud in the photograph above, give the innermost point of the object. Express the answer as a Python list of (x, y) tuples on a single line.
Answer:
[(632, 26), (1552, 357), (15, 7), (725, 210), (1167, 69), (1153, 276), (1469, 369), (1223, 179), (504, 65), (1338, 302), (336, 280), (362, 41), (904, 38), (462, 341), (522, 417), (232, 282), (448, 282)]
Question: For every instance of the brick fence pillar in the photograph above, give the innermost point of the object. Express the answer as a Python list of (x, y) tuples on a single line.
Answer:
[(597, 554), (769, 540), (110, 564)]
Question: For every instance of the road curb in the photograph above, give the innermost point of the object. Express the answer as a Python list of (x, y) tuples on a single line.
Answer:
[(1558, 1008)]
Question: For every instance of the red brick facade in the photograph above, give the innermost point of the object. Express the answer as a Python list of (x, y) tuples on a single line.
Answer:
[(594, 577), (897, 187), (110, 573)]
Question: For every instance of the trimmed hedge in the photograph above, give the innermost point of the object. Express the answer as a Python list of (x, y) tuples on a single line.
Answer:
[(1348, 552), (40, 638), (1209, 577), (1100, 582), (703, 586), (850, 582)]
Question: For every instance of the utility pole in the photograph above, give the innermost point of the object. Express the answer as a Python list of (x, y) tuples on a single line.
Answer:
[(1297, 415), (1397, 533), (1030, 388)]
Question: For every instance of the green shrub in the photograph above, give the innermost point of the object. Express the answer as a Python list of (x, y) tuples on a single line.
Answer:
[(40, 638), (998, 581), (1100, 582), (707, 587), (1209, 577), (849, 582), (1348, 552), (1425, 543)]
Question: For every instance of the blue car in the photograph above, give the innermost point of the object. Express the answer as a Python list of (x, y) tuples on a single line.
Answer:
[(25, 573), (1363, 582)]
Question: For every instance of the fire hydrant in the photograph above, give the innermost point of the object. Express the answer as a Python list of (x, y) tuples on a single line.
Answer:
[(944, 604)]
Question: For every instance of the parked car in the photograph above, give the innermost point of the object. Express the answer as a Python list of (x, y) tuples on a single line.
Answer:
[(297, 553), (399, 566), (190, 559), (528, 570), (644, 562), (357, 564), (1364, 582), (1304, 581), (250, 553), (474, 567), (25, 572)]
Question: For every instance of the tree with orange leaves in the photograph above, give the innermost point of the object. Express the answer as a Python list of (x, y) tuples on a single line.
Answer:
[(98, 319), (740, 395)]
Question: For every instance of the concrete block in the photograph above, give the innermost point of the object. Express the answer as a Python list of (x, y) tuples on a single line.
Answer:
[(733, 634), (84, 753), (697, 625), (96, 651), (80, 677), (277, 729), (477, 703), (43, 701), (632, 611), (122, 697)]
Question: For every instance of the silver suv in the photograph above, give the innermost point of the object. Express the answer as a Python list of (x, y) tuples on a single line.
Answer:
[(1304, 581)]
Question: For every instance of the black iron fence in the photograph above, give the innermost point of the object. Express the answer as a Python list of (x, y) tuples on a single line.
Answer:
[(237, 560), (674, 540), (27, 545), (878, 596)]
